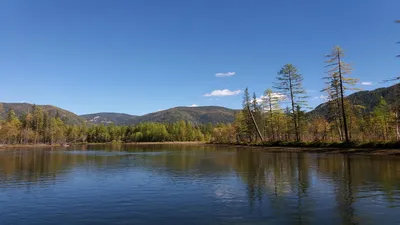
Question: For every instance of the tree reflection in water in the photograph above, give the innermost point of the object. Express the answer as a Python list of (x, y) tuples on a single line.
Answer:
[(287, 184)]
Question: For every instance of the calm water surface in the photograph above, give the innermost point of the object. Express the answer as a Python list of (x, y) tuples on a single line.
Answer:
[(172, 184)]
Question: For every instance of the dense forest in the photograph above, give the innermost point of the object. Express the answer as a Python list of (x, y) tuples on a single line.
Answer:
[(38, 126)]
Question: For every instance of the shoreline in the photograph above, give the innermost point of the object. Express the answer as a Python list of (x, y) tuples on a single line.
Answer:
[(167, 143), (324, 150), (30, 146), (266, 148)]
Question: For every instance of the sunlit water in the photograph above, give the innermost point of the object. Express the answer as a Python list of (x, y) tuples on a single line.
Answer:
[(175, 184)]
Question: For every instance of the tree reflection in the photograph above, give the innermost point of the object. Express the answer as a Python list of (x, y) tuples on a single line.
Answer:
[(285, 182)]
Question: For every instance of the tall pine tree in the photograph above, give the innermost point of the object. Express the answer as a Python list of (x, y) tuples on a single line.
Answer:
[(290, 84), (256, 111), (338, 82)]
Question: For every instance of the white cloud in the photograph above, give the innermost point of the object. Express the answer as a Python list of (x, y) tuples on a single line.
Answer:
[(224, 92), (227, 74), (278, 95), (366, 83), (260, 99), (194, 105), (275, 96), (324, 98)]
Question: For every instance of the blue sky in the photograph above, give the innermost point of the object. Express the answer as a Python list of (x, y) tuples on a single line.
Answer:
[(140, 56)]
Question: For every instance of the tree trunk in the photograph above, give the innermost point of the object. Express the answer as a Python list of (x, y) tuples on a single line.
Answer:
[(346, 132), (338, 116), (271, 119), (255, 124), (296, 130)]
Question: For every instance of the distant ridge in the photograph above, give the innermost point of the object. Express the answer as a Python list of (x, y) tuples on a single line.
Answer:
[(24, 108), (109, 118), (196, 115)]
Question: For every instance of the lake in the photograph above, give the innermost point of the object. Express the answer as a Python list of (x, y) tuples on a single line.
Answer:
[(195, 184)]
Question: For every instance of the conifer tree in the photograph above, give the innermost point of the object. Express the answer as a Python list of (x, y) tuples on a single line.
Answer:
[(256, 111), (338, 82), (247, 126), (270, 104), (290, 83)]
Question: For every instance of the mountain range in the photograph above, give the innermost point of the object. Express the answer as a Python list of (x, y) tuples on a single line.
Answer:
[(197, 115)]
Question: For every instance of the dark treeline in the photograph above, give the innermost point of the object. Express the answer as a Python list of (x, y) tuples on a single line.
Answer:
[(280, 115), (38, 127)]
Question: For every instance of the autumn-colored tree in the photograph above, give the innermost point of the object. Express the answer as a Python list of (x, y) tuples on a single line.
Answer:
[(337, 83), (381, 115), (11, 129), (240, 126), (270, 102), (224, 133), (27, 134), (57, 131), (37, 122), (318, 128)]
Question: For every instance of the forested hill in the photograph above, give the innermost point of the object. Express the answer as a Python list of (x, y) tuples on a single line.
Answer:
[(109, 118), (25, 108), (196, 115), (368, 99)]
